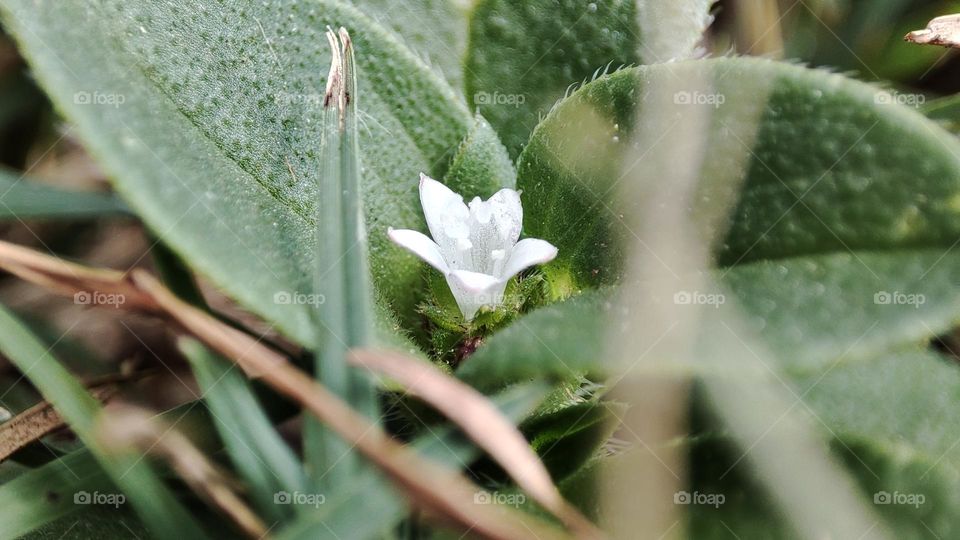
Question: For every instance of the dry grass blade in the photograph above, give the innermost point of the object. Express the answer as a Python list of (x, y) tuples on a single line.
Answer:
[(482, 422), (130, 427), (38, 421), (42, 419), (69, 278), (943, 31)]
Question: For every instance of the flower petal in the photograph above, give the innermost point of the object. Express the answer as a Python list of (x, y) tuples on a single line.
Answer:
[(506, 214), (526, 253), (472, 290), (473, 282), (444, 210), (420, 245)]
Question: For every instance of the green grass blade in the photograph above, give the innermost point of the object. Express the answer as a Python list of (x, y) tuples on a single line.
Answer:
[(25, 199), (46, 493), (345, 314), (154, 502), (260, 455)]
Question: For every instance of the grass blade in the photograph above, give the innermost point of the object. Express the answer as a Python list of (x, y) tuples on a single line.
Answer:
[(345, 317), (260, 455), (153, 501), (24, 199), (128, 427), (46, 493)]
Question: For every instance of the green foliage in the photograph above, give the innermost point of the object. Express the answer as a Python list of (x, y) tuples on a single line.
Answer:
[(434, 29), (570, 437), (267, 464), (522, 56), (216, 143), (558, 342), (38, 497), (154, 502), (481, 162), (831, 212), (345, 316), (368, 505), (97, 523), (24, 198), (822, 139), (897, 440)]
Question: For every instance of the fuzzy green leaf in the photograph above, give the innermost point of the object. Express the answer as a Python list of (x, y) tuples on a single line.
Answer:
[(480, 162), (434, 29), (523, 56), (831, 167)]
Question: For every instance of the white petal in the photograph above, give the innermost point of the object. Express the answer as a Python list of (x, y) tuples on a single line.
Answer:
[(445, 212), (507, 214), (473, 282), (420, 245), (526, 253), (473, 290)]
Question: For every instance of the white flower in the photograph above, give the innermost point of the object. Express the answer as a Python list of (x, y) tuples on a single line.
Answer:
[(475, 247)]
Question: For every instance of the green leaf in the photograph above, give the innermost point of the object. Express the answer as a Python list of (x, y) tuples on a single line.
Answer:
[(810, 312), (523, 56), (24, 198), (813, 311), (567, 439), (898, 440), (434, 29), (153, 501), (216, 142), (263, 459), (558, 342), (830, 167), (480, 162)]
